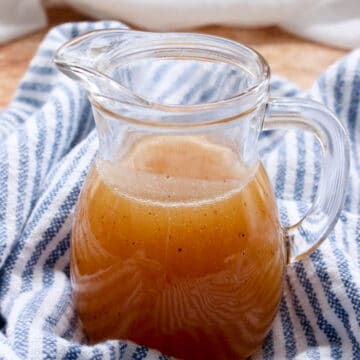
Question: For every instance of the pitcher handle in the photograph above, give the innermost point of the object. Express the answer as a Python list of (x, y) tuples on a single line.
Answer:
[(291, 113)]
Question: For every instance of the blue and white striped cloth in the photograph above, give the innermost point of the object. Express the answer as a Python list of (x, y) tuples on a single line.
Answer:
[(47, 144)]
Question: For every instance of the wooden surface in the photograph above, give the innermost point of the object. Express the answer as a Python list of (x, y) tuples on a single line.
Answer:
[(297, 59)]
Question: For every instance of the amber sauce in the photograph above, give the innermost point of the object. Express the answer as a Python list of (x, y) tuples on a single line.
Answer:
[(178, 247)]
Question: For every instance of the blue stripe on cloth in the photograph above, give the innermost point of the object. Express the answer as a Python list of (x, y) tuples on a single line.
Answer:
[(288, 330), (74, 30), (196, 88), (57, 132), (36, 86), (23, 175), (67, 270), (73, 352), (344, 223), (348, 198), (55, 37), (309, 333), (12, 114), (350, 287), (49, 347), (180, 80), (97, 354), (207, 95), (72, 325), (112, 352), (46, 53), (333, 300), (60, 250), (48, 143), (339, 87), (2, 323), (317, 168), (354, 128), (36, 103), (27, 316), (6, 351), (268, 346), (357, 234), (4, 176), (293, 92), (280, 172), (42, 70), (6, 126), (159, 73), (300, 166), (16, 114), (86, 125), (140, 353), (39, 154), (123, 346), (322, 86), (353, 117), (330, 332), (71, 104)]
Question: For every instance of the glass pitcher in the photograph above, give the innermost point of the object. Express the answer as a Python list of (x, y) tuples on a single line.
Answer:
[(177, 242)]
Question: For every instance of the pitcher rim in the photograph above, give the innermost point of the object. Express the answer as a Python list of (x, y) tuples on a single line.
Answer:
[(257, 91)]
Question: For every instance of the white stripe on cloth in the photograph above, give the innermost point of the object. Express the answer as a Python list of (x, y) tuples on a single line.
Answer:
[(48, 143)]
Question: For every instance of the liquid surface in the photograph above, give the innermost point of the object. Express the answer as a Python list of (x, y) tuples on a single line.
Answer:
[(178, 247)]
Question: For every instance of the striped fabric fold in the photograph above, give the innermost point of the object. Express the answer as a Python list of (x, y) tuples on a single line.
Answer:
[(48, 143)]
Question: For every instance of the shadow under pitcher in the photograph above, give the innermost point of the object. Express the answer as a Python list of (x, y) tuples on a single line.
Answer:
[(177, 242)]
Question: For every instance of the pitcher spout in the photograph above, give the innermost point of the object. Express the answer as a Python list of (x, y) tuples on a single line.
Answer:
[(86, 58)]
